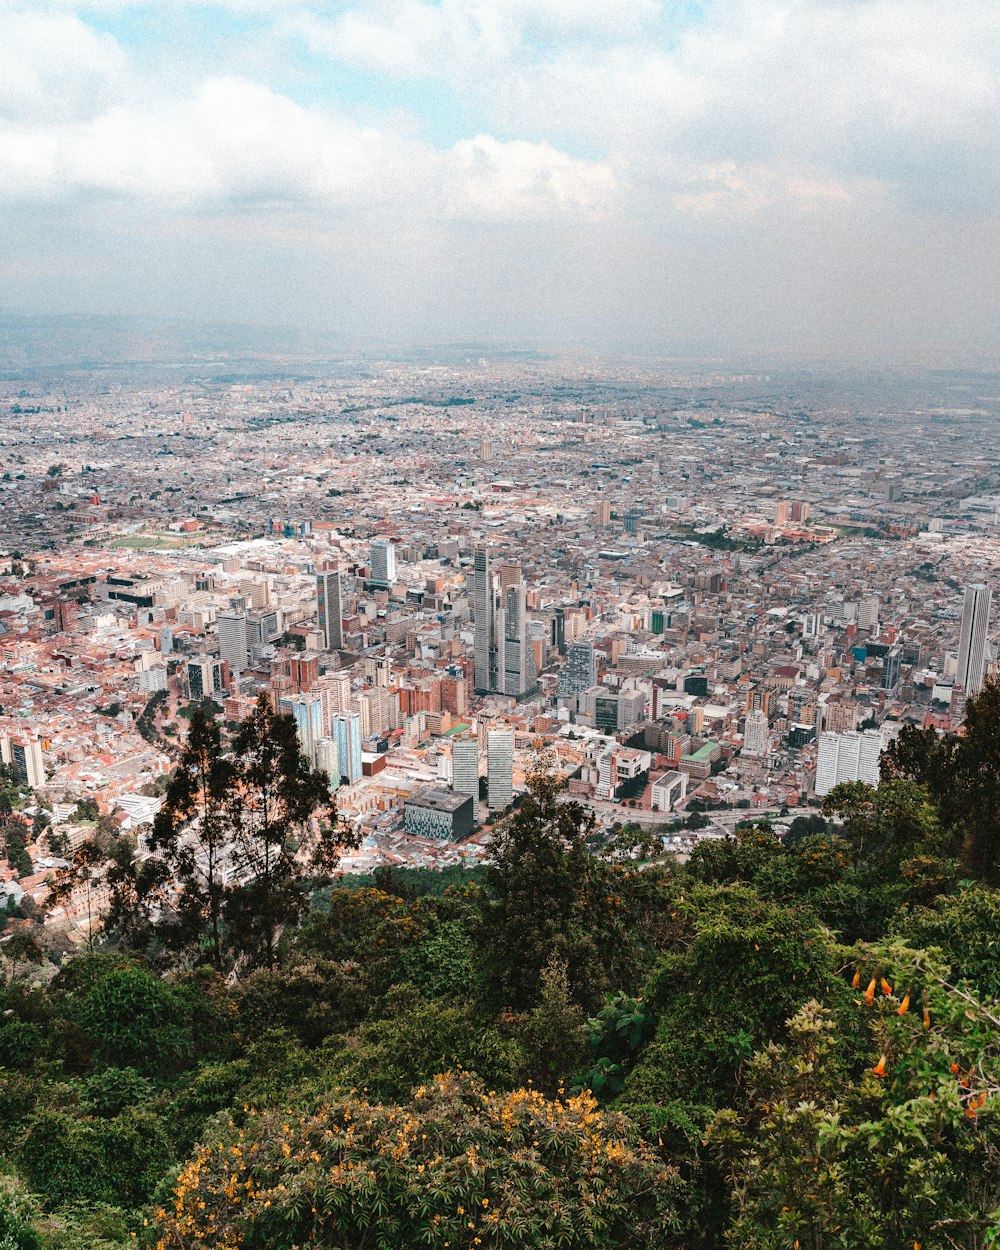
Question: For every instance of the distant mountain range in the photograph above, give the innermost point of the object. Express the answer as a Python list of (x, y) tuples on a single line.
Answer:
[(89, 342)]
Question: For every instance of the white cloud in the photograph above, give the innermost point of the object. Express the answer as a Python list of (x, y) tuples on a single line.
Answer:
[(54, 66), (236, 142), (498, 181)]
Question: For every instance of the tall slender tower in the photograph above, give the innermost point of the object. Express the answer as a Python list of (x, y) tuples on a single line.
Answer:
[(972, 644), (330, 609), (484, 645)]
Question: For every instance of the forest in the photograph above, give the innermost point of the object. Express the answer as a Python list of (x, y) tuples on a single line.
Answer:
[(784, 1043)]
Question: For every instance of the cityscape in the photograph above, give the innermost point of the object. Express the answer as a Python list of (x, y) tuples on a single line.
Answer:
[(699, 595), (499, 640)]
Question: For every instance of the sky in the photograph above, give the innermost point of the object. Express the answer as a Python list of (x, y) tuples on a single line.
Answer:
[(818, 177)]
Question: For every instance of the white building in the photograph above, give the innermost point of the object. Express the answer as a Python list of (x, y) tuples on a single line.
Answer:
[(757, 733), (328, 761), (668, 790), (849, 756), (465, 767), (383, 563), (499, 768), (234, 646)]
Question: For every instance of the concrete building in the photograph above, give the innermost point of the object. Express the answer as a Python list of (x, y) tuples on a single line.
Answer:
[(849, 756), (499, 768), (972, 641), (234, 647), (757, 733), (465, 767), (439, 815), (328, 761), (330, 609), (345, 729), (383, 563), (668, 790), (580, 670), (25, 754)]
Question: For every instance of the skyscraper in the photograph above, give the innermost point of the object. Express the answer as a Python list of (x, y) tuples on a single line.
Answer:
[(345, 729), (848, 757), (383, 563), (330, 609), (465, 767), (499, 768), (26, 757), (483, 648), (511, 632), (328, 761), (757, 735), (233, 640), (504, 659), (972, 644), (307, 710), (580, 670)]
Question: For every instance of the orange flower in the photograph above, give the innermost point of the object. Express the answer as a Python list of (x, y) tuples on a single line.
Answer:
[(856, 979), (870, 992), (886, 987), (927, 1017), (879, 1068), (904, 1006)]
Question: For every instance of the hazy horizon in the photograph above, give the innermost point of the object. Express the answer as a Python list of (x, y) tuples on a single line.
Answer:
[(730, 177)]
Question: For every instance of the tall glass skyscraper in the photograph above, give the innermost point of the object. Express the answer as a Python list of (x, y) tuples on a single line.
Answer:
[(345, 730)]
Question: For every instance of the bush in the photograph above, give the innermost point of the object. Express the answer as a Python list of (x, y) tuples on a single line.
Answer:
[(457, 1165), (18, 1214), (117, 1161)]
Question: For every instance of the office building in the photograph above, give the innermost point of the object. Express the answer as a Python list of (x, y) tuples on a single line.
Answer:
[(504, 660), (499, 768), (465, 767), (307, 710), (972, 642), (850, 756), (383, 563), (233, 640), (206, 677), (668, 790), (25, 754), (439, 815), (511, 631), (330, 609), (891, 669), (868, 612), (756, 734), (345, 730), (580, 670), (483, 649), (328, 761)]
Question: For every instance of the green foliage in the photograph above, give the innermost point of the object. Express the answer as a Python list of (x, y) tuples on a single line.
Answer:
[(415, 1038), (119, 1161), (19, 1213), (454, 1164), (136, 1020), (750, 965), (544, 894)]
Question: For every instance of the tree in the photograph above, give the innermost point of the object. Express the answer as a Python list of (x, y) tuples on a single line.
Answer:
[(971, 800), (191, 832), (284, 830), (540, 881), (884, 825)]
